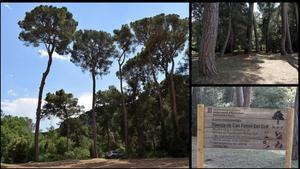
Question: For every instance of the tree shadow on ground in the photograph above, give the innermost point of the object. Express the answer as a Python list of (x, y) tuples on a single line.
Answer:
[(231, 70), (292, 59), (240, 69), (141, 163)]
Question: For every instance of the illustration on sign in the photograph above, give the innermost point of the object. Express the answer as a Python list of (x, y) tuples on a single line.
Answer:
[(278, 116)]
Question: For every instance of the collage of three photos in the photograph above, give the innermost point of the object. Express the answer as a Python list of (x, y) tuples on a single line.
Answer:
[(149, 85)]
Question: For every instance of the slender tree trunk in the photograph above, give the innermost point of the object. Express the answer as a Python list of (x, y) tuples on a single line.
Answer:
[(124, 109), (68, 133), (228, 32), (94, 128), (297, 23), (107, 133), (283, 27), (162, 117), (38, 109), (239, 96), (247, 96), (267, 28), (173, 101), (255, 34), (231, 41), (295, 155), (288, 35), (207, 63), (248, 48)]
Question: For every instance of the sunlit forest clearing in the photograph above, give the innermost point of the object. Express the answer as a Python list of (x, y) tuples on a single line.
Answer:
[(105, 163), (255, 68), (245, 43)]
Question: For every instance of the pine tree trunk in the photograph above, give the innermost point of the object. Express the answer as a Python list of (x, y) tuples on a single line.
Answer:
[(228, 32), (68, 131), (124, 110), (94, 154), (297, 23), (295, 155), (173, 101), (207, 65), (267, 28), (283, 28), (248, 48), (38, 110), (255, 34), (231, 41), (247, 96), (288, 35), (239, 96)]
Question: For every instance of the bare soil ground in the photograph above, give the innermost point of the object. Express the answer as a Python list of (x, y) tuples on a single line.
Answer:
[(251, 69), (107, 163), (240, 158)]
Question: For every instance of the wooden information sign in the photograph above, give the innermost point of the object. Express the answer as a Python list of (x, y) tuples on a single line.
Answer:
[(244, 128)]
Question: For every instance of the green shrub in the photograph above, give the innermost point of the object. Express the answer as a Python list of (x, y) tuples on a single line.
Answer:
[(78, 153), (18, 150)]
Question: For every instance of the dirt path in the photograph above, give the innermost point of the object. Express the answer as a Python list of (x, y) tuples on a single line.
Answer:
[(105, 163), (238, 158), (251, 69)]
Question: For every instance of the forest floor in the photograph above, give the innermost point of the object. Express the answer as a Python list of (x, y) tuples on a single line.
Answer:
[(241, 158), (251, 69), (107, 163)]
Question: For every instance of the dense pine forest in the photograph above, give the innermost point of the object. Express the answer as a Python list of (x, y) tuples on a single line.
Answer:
[(242, 42), (148, 116)]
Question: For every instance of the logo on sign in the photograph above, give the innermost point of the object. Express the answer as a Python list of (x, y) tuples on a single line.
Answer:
[(278, 116)]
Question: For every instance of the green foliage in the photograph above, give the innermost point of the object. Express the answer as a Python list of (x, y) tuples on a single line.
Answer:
[(78, 153), (60, 104), (16, 138), (273, 97), (92, 50), (48, 25)]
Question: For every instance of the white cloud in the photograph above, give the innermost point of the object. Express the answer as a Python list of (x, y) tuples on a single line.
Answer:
[(7, 6), (11, 92), (26, 107), (86, 101), (44, 53)]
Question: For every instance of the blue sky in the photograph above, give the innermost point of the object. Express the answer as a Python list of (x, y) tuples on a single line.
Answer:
[(22, 67)]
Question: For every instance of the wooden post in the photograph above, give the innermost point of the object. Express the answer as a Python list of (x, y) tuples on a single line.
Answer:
[(289, 143), (200, 135)]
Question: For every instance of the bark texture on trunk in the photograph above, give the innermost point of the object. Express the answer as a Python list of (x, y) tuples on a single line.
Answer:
[(255, 34), (207, 65), (38, 109), (283, 28), (247, 96), (267, 28), (228, 32), (297, 23), (248, 48), (240, 96), (124, 108), (288, 35), (94, 128), (173, 100)]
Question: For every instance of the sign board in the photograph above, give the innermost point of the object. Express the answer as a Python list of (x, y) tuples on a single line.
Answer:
[(244, 128)]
